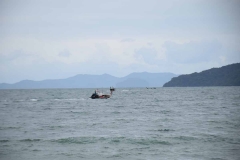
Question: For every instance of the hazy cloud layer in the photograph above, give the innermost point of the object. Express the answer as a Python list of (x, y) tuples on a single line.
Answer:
[(148, 55), (13, 56), (128, 40), (64, 53), (193, 52), (61, 38)]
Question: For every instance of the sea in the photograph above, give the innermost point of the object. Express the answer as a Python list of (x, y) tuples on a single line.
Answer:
[(184, 123)]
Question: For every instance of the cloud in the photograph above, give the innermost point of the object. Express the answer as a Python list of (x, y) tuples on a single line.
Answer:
[(148, 55), (17, 54), (128, 40), (64, 53), (57, 38), (192, 52), (58, 19)]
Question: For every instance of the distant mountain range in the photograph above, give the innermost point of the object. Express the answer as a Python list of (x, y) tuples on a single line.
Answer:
[(143, 79), (225, 76)]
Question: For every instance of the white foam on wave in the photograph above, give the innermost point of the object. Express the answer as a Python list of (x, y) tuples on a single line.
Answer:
[(70, 99), (33, 99), (125, 90)]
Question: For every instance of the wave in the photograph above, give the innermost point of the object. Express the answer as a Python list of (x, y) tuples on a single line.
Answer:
[(10, 127), (149, 141), (80, 112), (220, 138), (21, 140), (165, 130), (53, 127), (209, 138), (20, 100), (4, 140), (236, 104), (119, 106), (112, 140), (212, 97), (185, 138), (143, 141), (24, 100), (116, 112), (76, 140), (30, 140)]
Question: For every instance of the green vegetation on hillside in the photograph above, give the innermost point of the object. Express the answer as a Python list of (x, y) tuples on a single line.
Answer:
[(225, 76)]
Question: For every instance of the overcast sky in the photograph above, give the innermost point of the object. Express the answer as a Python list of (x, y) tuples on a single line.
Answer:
[(42, 39)]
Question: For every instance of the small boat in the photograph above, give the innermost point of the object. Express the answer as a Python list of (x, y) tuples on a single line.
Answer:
[(99, 95)]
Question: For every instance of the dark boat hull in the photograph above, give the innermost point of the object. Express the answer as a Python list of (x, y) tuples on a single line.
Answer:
[(98, 95), (94, 96)]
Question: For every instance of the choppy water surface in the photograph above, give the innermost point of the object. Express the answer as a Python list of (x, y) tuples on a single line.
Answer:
[(162, 123)]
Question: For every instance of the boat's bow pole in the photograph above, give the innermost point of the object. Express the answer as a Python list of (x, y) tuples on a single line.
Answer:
[(111, 90)]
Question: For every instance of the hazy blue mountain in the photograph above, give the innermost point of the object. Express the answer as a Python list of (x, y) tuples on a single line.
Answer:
[(96, 81), (153, 79), (132, 82), (225, 76)]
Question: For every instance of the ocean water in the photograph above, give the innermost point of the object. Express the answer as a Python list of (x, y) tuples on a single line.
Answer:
[(135, 123)]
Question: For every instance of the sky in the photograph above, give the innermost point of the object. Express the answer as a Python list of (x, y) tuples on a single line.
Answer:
[(62, 38)]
